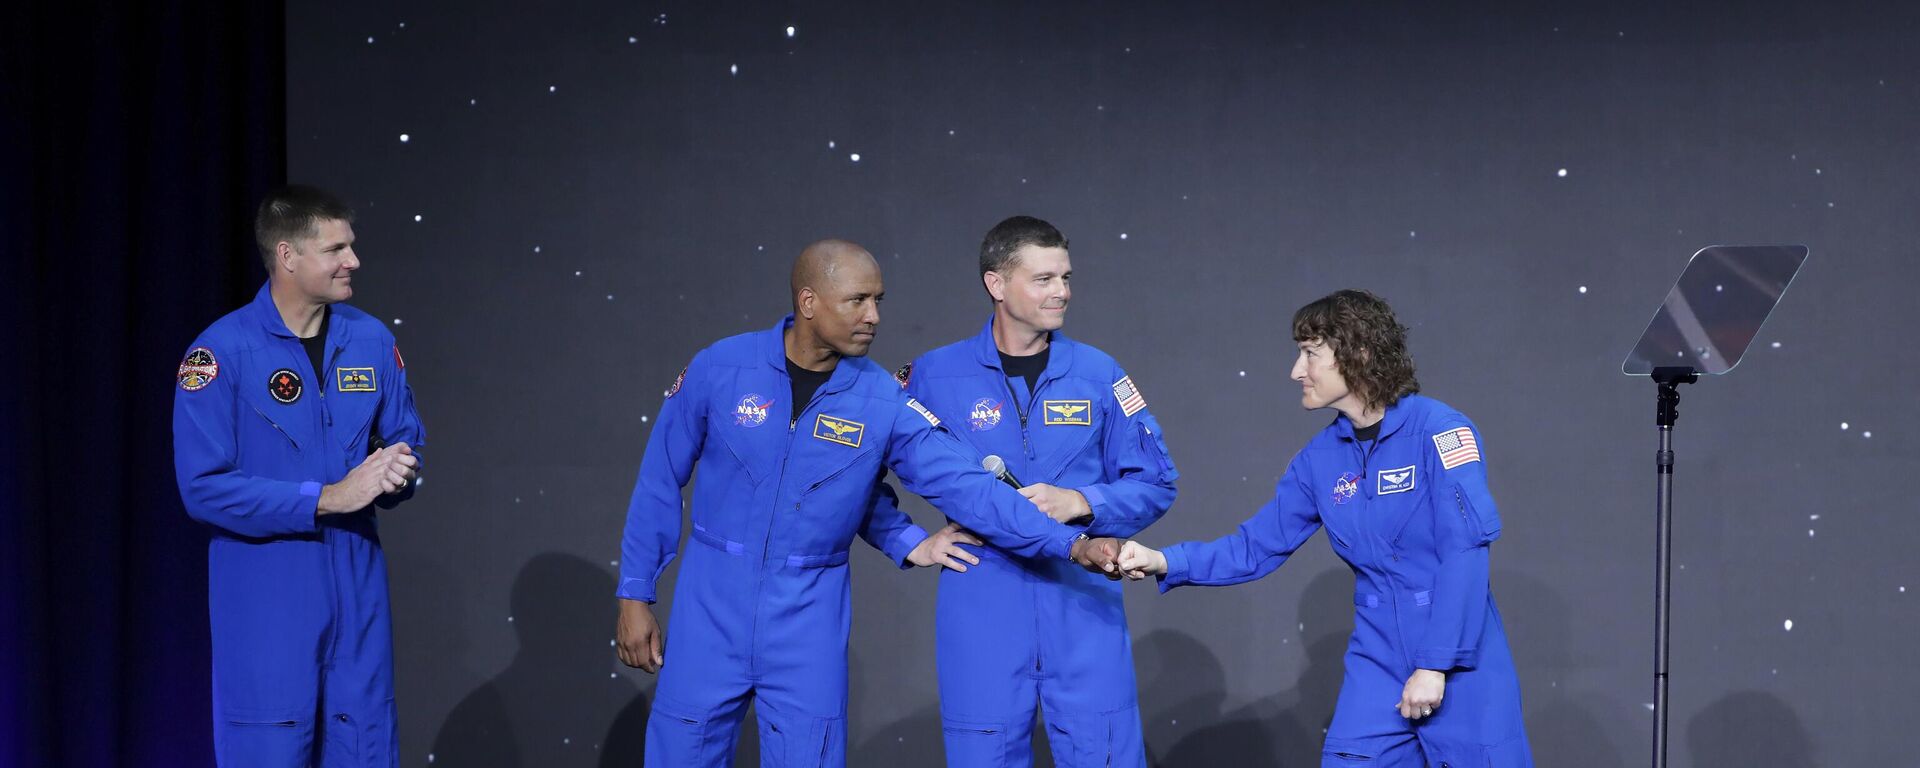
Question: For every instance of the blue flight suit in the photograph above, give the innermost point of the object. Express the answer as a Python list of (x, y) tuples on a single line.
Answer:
[(302, 646), (1012, 630), (762, 606), (1411, 514)]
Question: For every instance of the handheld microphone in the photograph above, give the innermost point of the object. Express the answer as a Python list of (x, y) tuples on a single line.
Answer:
[(998, 467)]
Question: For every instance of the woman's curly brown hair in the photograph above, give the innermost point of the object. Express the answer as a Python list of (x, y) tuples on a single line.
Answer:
[(1369, 344)]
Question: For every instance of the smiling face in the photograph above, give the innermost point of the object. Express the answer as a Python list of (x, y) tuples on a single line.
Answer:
[(1321, 385), (320, 264), (1031, 292)]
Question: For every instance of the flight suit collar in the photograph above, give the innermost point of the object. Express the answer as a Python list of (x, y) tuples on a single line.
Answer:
[(776, 355), (267, 314), (1390, 422), (1059, 359)]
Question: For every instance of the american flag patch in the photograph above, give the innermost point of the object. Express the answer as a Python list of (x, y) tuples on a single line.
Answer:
[(1456, 447), (1129, 396), (922, 410)]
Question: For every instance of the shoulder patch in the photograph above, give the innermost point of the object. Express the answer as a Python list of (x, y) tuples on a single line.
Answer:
[(1129, 396), (903, 374), (1456, 447), (198, 369), (922, 410), (677, 381)]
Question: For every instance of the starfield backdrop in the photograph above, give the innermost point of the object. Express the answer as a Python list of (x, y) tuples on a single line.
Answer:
[(561, 202)]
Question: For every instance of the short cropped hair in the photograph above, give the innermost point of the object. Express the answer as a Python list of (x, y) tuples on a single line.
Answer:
[(293, 212), (1369, 344), (996, 251)]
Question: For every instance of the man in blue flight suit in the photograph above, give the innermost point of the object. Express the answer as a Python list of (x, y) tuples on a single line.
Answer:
[(762, 605), (1398, 482), (292, 420), (1015, 631)]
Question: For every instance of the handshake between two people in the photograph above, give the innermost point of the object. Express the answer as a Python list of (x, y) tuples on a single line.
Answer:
[(1115, 558), (1119, 559)]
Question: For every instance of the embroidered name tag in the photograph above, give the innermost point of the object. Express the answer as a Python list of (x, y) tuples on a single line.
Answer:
[(355, 379), (1075, 412), (837, 430), (1394, 481)]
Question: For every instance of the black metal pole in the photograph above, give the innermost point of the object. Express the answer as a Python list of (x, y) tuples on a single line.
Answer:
[(1669, 380)]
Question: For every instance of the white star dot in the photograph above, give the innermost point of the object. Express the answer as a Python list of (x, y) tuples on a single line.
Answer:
[(1410, 233), (1719, 288), (536, 249), (552, 88), (397, 321), (830, 144), (1123, 235), (614, 675), (1583, 289), (509, 619), (576, 273), (1866, 434), (369, 39), (632, 40), (790, 31), (609, 297), (1789, 625), (1843, 425), (471, 102), (429, 757), (416, 217), (733, 69), (1816, 172), (1809, 535), (1903, 589), (643, 419), (405, 138), (1243, 374), (854, 157), (1562, 173), (1775, 345)]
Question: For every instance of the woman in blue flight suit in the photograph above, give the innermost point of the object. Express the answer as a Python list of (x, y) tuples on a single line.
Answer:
[(1398, 482)]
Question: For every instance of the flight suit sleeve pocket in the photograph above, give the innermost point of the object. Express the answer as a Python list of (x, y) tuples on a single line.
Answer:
[(1477, 510), (1154, 446)]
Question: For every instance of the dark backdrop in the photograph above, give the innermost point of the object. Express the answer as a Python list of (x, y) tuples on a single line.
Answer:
[(588, 192), (134, 140), (601, 189)]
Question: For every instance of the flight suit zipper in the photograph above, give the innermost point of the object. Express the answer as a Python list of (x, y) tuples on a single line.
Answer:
[(1026, 440)]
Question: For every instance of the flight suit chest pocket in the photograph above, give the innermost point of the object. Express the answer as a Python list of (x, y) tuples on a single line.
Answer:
[(353, 398)]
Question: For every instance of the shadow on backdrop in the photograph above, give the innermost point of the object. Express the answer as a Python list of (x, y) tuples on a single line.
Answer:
[(1567, 724), (1747, 728), (1183, 682), (558, 703)]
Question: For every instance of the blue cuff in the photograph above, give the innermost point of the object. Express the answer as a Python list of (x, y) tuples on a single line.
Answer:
[(1176, 574), (902, 544), (310, 488), (1445, 659), (1095, 496), (636, 589)]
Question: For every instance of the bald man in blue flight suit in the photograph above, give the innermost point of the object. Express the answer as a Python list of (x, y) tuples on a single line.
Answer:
[(762, 605), (292, 420), (1018, 634), (1398, 482)]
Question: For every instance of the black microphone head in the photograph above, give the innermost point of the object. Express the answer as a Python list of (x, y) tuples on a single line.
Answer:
[(995, 465)]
